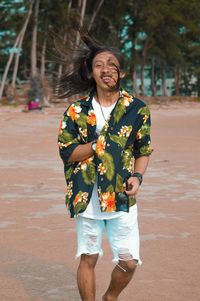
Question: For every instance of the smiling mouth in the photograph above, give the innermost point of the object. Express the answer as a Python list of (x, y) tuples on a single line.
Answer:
[(106, 79)]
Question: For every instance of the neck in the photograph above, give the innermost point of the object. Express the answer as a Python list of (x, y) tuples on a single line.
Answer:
[(106, 98)]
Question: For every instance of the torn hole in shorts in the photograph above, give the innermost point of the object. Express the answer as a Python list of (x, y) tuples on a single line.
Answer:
[(91, 240)]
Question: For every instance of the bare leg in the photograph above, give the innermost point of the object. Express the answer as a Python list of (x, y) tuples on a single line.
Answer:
[(86, 277), (120, 279)]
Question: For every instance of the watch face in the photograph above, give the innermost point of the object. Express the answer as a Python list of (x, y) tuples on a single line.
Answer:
[(94, 145)]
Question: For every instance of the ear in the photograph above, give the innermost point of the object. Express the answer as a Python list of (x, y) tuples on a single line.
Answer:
[(122, 74)]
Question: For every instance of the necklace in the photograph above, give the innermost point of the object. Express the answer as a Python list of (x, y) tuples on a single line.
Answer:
[(105, 119), (102, 111)]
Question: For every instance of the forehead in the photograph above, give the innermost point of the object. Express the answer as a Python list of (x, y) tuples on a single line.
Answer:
[(105, 56)]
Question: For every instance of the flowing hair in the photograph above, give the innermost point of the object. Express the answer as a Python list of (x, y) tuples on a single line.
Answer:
[(77, 77)]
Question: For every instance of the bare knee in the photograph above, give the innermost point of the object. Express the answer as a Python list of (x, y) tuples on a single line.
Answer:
[(89, 260), (128, 266)]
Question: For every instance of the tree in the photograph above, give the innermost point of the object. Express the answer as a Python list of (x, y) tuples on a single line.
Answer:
[(18, 41), (34, 71), (157, 38)]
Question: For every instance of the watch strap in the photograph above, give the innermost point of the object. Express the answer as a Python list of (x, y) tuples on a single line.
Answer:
[(139, 176)]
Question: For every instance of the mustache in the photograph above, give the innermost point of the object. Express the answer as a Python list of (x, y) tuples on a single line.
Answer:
[(107, 74)]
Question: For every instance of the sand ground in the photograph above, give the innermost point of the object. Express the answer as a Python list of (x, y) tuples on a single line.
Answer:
[(38, 240)]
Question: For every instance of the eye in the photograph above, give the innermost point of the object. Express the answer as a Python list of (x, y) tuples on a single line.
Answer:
[(113, 68)]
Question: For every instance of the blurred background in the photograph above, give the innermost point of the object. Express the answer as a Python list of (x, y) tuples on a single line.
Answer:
[(160, 40)]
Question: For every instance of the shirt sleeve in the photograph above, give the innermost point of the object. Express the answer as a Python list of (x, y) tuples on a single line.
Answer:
[(142, 144), (68, 138)]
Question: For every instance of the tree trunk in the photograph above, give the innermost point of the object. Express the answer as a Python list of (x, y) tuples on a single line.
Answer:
[(143, 76), (135, 87), (198, 84), (147, 45), (164, 83), (34, 41), (43, 57), (134, 75), (82, 7), (69, 7), (177, 80), (60, 69), (18, 52), (12, 53), (153, 87), (95, 12), (16, 62)]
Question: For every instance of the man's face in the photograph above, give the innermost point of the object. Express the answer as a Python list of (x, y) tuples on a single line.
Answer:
[(105, 71)]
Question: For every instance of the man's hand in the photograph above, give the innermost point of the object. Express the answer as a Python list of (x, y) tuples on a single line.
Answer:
[(133, 186)]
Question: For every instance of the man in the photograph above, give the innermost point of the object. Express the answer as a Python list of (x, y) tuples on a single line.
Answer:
[(104, 142)]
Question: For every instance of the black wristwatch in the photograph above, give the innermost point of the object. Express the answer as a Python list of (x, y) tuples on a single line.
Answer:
[(139, 176)]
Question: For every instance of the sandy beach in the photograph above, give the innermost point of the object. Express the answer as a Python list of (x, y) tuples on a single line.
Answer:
[(38, 239)]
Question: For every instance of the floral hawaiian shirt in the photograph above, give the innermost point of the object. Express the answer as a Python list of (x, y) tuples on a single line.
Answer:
[(124, 137)]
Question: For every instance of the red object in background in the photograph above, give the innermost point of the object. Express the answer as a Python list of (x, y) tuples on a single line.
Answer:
[(32, 105)]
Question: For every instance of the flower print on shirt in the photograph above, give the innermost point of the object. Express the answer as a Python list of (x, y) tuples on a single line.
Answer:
[(74, 111), (107, 202), (91, 118)]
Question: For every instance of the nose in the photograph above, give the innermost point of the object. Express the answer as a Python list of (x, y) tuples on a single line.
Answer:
[(105, 68)]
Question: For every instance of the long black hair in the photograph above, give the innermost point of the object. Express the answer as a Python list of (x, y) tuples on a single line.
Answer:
[(77, 77)]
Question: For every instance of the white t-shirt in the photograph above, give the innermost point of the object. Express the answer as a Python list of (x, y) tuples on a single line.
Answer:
[(93, 209)]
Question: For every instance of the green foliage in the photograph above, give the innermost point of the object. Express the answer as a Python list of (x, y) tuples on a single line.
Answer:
[(166, 31)]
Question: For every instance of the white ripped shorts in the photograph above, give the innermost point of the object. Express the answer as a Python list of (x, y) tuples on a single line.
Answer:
[(122, 233)]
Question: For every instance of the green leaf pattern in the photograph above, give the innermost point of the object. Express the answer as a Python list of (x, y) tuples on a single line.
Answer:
[(110, 188), (144, 111), (127, 159), (121, 141), (89, 173), (108, 162), (119, 183), (119, 111), (143, 131), (146, 150), (80, 201)]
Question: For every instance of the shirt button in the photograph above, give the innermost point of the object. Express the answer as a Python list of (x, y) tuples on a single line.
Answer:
[(108, 144), (111, 128), (101, 179)]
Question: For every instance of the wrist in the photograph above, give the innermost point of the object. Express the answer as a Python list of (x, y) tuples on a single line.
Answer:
[(139, 176)]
